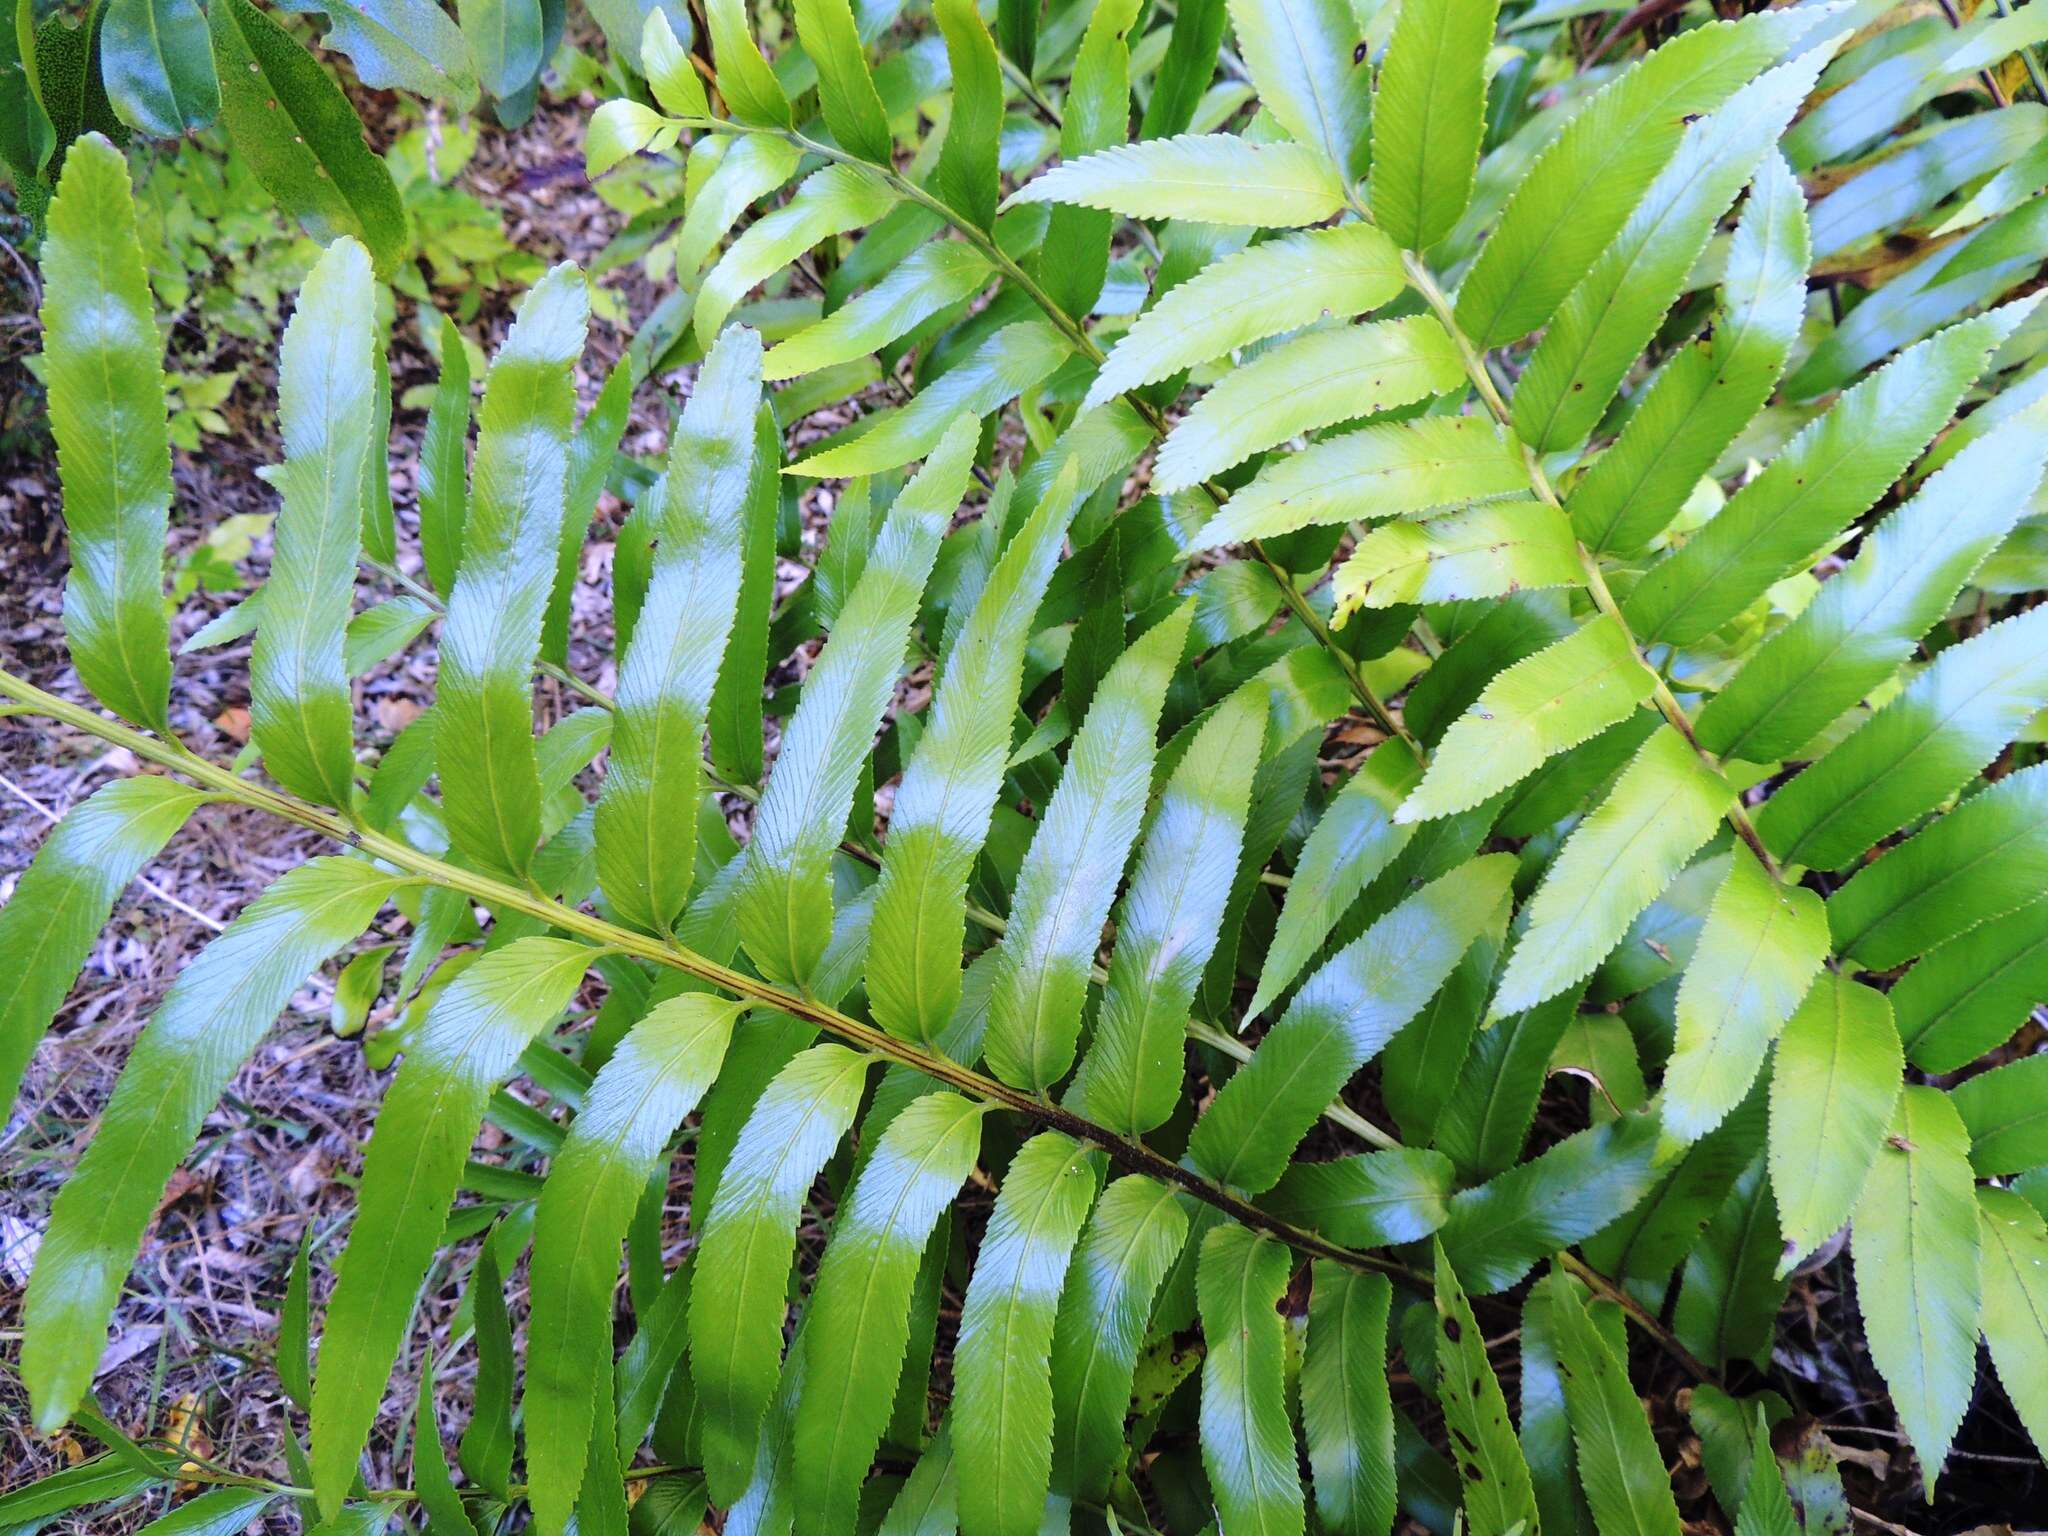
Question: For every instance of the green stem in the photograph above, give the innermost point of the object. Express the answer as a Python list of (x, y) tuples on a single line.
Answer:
[(501, 896), (1077, 335), (1424, 282)]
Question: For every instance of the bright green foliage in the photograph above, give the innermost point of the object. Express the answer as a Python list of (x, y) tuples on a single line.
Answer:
[(736, 1303), (1584, 883), (1587, 180), (1620, 1466), (646, 818), (208, 1022), (1488, 551), (1247, 1441), (783, 899), (1498, 1495), (1316, 380), (1300, 56), (1213, 178), (65, 896), (656, 1076), (1833, 1086), (1355, 838), (1537, 708), (1388, 471), (1002, 1395), (940, 818), (106, 383), (1263, 290), (860, 1310), (1916, 1268), (468, 1040), (298, 688), (1428, 119), (1345, 1412), (2015, 1276), (1973, 864), (1339, 1019), (1069, 874), (1707, 393), (1169, 922), (483, 732), (1665, 805), (1134, 1235), (1759, 950), (1605, 321), (320, 171), (1827, 475)]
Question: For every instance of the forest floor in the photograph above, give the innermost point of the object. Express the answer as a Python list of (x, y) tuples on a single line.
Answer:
[(191, 1344)]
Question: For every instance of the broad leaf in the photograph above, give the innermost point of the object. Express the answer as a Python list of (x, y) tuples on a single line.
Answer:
[(1917, 1281), (1247, 1438), (1014, 359), (1833, 1087), (1428, 117), (1215, 178), (1829, 474), (1070, 873), (1759, 952), (1002, 1414), (300, 713), (645, 823), (157, 63), (1866, 621), (1606, 321), (321, 172), (615, 1144), (1300, 54), (104, 371), (1499, 1230), (1354, 839), (1971, 994), (934, 276), (1584, 184), (846, 91), (471, 1037), (208, 1023), (1169, 922), (1370, 1200), (1708, 392), (1664, 807), (2003, 1111)]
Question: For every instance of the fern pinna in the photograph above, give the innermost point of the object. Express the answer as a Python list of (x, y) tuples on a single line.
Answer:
[(1509, 417)]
